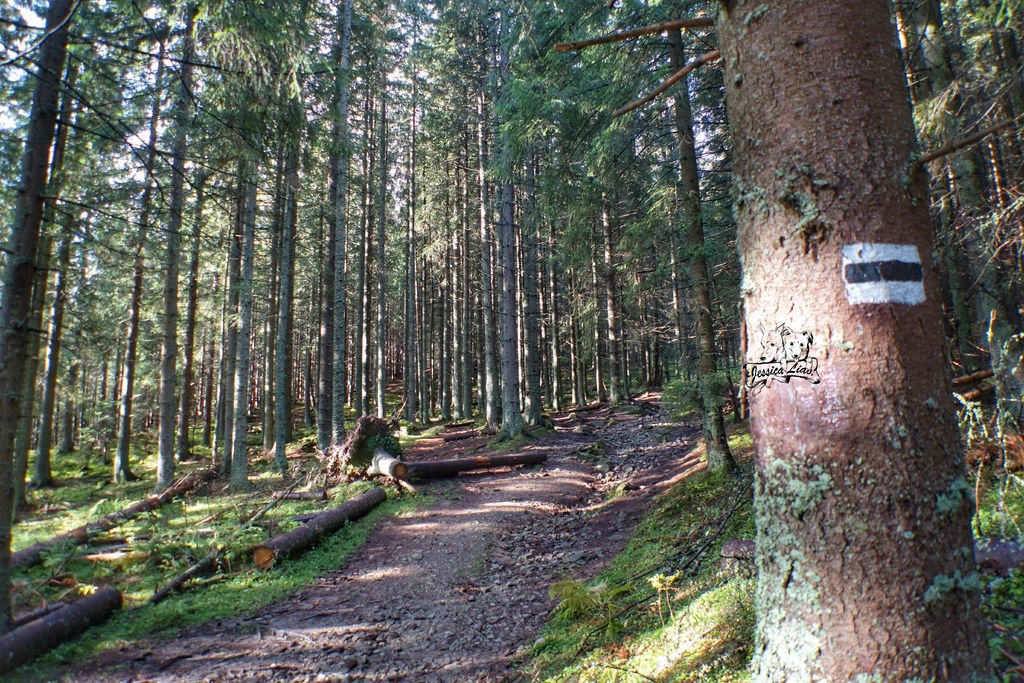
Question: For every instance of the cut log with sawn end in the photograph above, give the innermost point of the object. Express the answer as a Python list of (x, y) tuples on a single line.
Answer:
[(297, 540), (369, 449), (37, 637), (451, 468)]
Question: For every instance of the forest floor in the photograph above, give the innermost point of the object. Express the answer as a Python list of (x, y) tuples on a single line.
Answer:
[(458, 588)]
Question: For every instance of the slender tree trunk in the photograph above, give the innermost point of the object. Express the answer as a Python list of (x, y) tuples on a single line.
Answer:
[(862, 506), (169, 347), (42, 475), (184, 448), (339, 384), (282, 400), (239, 452), (410, 375), (122, 468), (230, 350), (716, 442), (20, 267), (23, 436), (531, 309), (555, 318), (490, 386), (382, 217), (611, 300), (67, 437), (325, 388)]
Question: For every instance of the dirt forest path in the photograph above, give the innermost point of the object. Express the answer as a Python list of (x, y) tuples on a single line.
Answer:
[(456, 589)]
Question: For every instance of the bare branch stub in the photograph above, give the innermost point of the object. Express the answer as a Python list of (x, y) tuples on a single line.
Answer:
[(626, 34), (669, 82)]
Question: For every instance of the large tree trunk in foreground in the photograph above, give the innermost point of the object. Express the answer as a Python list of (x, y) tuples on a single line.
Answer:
[(20, 269), (324, 524), (865, 556), (37, 637)]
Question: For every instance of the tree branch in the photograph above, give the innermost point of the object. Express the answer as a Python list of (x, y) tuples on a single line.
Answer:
[(669, 82), (965, 142), (626, 34)]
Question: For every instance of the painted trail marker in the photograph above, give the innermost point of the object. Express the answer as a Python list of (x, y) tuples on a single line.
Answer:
[(876, 273)]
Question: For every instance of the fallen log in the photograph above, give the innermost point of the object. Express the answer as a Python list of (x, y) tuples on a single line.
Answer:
[(972, 377), (448, 438), (450, 468), (297, 540), (33, 555), (204, 566), (37, 613), (459, 425), (301, 495), (24, 644)]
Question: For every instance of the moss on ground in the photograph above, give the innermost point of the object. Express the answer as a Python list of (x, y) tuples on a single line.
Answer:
[(662, 609)]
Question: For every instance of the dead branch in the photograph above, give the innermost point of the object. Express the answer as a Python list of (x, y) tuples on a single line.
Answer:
[(626, 34), (972, 378), (669, 82), (964, 142)]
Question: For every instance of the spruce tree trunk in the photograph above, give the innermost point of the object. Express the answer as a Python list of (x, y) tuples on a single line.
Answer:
[(183, 450), (23, 436), (611, 300), (556, 321), (282, 398), (864, 549), (122, 467), (42, 475), (382, 218), (466, 360), (532, 345), (239, 452), (716, 442), (361, 304), (339, 383), (230, 348), (490, 385), (169, 347), (325, 393), (410, 375), (20, 268), (67, 435)]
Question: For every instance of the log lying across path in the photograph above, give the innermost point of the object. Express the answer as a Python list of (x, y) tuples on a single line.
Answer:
[(324, 524), (33, 555), (41, 635), (450, 468)]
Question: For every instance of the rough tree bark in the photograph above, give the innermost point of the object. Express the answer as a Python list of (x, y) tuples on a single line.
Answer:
[(865, 556)]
